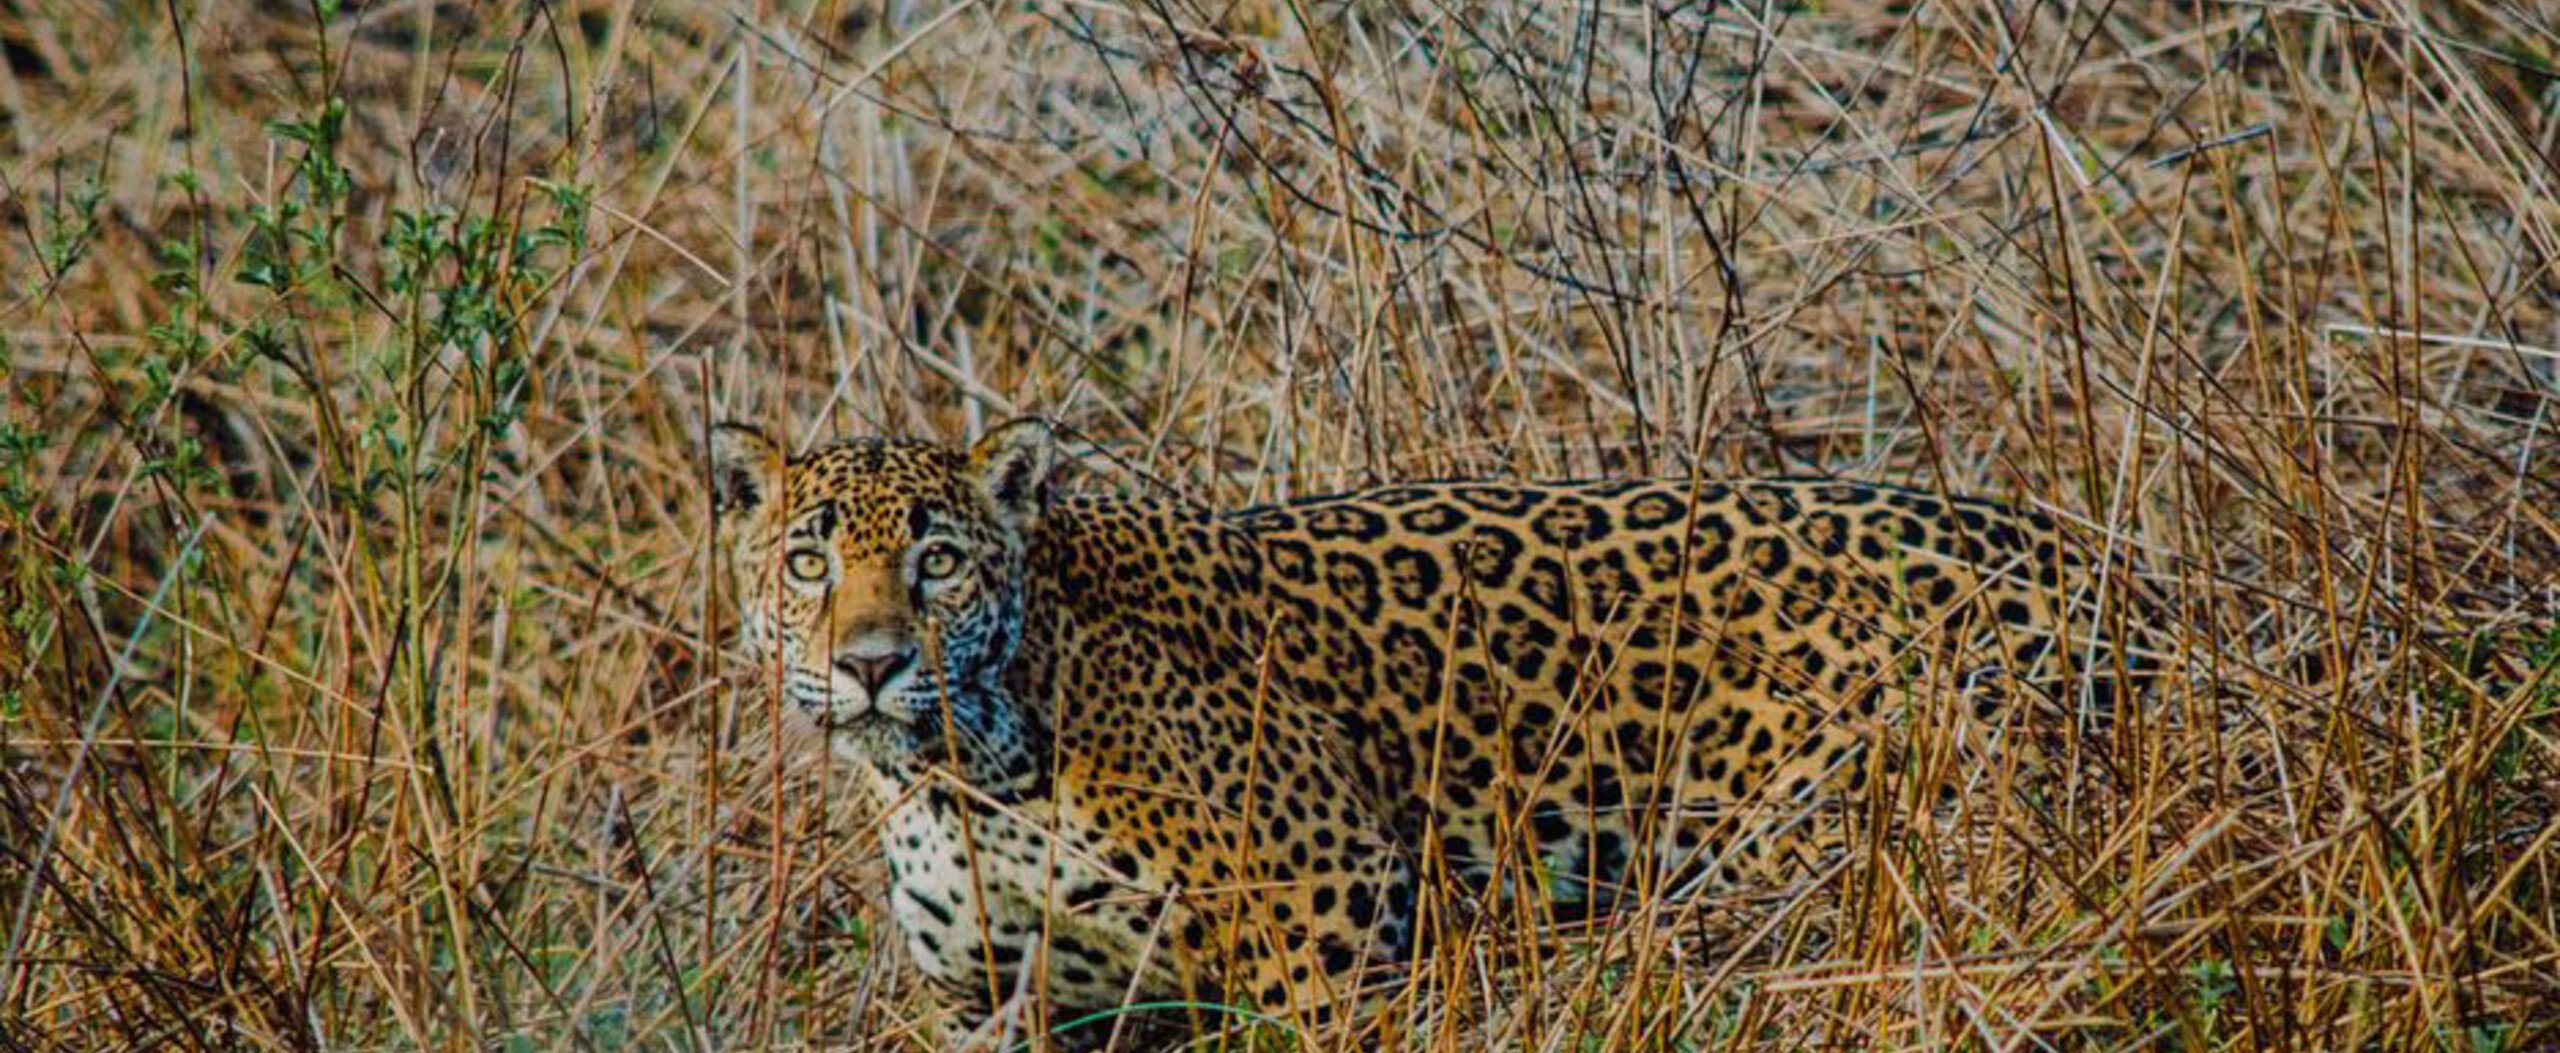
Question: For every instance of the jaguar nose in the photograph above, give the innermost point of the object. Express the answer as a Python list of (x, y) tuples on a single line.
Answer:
[(875, 670)]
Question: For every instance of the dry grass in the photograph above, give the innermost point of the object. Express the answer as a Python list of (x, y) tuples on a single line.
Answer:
[(362, 687)]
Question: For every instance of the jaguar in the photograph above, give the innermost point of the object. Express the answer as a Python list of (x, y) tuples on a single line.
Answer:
[(1127, 748)]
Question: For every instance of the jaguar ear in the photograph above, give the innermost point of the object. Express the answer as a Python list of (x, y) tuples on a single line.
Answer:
[(746, 469), (1012, 466)]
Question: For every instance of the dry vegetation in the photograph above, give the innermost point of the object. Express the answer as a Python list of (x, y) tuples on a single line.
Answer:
[(362, 682)]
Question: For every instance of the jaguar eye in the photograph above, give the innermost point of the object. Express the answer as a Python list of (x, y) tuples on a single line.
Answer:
[(940, 561), (807, 566)]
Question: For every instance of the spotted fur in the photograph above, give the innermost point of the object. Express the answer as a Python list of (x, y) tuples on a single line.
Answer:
[(1132, 749)]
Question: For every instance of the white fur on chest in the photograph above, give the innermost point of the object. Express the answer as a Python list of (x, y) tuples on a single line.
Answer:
[(979, 893)]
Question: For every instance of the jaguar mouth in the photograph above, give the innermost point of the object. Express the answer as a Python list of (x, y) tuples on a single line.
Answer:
[(828, 714)]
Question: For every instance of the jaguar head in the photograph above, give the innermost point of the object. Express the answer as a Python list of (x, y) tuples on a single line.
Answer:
[(880, 581)]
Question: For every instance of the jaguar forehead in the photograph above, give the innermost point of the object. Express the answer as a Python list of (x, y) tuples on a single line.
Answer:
[(873, 495), (818, 522)]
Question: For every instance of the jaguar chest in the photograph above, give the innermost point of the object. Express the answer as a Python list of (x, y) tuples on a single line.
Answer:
[(988, 900)]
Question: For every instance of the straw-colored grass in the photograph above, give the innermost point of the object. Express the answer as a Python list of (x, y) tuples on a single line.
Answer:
[(362, 676)]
